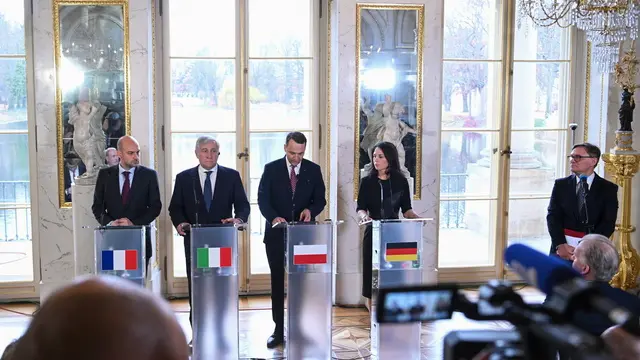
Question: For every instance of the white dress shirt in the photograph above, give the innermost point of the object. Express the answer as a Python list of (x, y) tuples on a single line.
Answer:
[(589, 180), (121, 177), (296, 168), (73, 174), (212, 177)]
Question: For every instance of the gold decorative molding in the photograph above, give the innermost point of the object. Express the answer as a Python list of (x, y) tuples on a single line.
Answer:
[(623, 167), (156, 264), (587, 93), (57, 5), (328, 100), (419, 45)]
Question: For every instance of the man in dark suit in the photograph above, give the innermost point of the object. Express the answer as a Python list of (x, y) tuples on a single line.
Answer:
[(73, 168), (291, 189), (206, 194), (582, 203), (128, 194)]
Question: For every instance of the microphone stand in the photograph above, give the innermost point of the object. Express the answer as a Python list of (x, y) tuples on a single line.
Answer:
[(585, 188), (195, 198)]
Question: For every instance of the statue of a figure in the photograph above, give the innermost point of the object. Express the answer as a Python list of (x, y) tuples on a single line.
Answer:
[(625, 113), (385, 125), (88, 138)]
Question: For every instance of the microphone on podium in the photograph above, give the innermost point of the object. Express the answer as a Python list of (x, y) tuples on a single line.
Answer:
[(569, 293)]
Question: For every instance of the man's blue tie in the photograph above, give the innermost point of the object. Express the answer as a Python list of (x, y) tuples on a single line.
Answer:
[(208, 194)]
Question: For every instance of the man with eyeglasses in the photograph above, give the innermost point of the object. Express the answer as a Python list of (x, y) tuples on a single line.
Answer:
[(582, 203)]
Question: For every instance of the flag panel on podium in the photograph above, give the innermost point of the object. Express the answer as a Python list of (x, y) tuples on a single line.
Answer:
[(401, 251), (309, 254), (214, 257), (119, 260)]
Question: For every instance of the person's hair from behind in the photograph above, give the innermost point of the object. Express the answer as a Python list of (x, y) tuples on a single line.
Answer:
[(8, 351), (599, 253), (103, 318)]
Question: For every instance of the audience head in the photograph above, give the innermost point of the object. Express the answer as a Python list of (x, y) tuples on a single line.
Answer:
[(111, 156), (584, 158), (207, 152), (596, 258), (385, 159), (128, 152), (103, 318), (295, 146)]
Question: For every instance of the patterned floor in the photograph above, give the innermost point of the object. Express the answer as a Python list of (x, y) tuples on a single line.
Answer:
[(350, 329)]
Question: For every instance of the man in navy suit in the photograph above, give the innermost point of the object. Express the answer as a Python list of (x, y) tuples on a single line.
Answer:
[(582, 203), (291, 189), (128, 194), (206, 194)]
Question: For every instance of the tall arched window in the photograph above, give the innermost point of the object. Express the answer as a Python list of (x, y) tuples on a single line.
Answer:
[(504, 134)]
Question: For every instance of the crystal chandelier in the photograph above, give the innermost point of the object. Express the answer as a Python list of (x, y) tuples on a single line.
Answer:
[(605, 22)]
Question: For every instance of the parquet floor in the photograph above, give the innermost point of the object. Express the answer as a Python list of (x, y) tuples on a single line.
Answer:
[(350, 328)]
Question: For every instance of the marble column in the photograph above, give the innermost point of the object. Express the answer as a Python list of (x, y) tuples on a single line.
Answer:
[(55, 223), (83, 225), (349, 237), (55, 229)]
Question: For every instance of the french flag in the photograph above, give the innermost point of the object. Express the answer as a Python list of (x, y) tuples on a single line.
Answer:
[(119, 260), (309, 254)]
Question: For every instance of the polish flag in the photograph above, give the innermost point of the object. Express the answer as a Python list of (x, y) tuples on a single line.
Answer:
[(119, 260), (309, 254)]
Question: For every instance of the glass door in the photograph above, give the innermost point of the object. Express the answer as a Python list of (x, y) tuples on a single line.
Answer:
[(248, 91), (504, 134), (540, 135), (201, 98), (18, 247), (282, 85)]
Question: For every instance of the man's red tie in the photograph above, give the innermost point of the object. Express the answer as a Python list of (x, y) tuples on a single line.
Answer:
[(293, 178), (125, 188)]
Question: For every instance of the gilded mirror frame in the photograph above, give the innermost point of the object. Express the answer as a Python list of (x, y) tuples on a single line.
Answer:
[(418, 46), (122, 94)]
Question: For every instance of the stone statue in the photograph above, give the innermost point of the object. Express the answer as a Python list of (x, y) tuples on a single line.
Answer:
[(385, 125), (88, 138), (625, 113)]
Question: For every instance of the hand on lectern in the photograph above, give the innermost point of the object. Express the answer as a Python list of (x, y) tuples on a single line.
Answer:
[(278, 220), (181, 228), (121, 222), (364, 217), (305, 215), (232, 221)]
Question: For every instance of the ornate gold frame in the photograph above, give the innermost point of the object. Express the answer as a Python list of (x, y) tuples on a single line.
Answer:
[(420, 63), (127, 92)]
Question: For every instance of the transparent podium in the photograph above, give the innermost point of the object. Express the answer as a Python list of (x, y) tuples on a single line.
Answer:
[(214, 291), (310, 288), (120, 251), (397, 251)]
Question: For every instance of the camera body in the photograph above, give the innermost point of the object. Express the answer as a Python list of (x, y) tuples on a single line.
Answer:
[(538, 333)]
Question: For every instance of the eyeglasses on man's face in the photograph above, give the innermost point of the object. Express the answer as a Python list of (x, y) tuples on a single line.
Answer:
[(580, 157)]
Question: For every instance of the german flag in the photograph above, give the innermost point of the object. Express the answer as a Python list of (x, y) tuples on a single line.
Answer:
[(401, 251)]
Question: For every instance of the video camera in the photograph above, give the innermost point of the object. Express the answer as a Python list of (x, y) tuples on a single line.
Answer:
[(539, 331)]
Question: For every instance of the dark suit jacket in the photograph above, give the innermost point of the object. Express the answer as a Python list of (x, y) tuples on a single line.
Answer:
[(144, 199), (276, 199), (67, 179), (228, 193), (562, 213)]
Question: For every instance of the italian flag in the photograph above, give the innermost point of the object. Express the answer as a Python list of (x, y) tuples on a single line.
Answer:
[(214, 257)]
